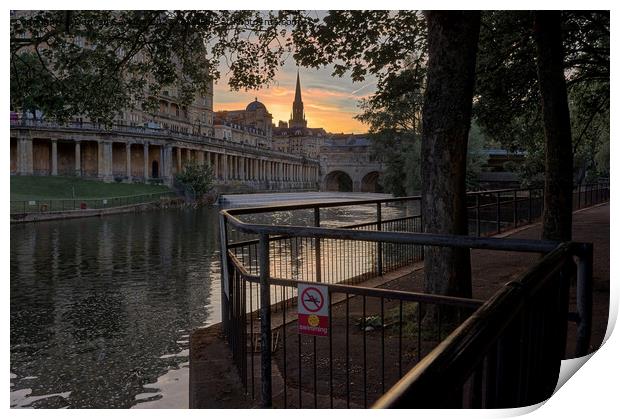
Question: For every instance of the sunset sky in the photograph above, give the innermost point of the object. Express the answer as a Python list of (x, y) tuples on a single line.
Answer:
[(329, 102)]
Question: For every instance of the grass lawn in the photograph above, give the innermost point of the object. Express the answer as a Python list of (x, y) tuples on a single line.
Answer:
[(58, 187)]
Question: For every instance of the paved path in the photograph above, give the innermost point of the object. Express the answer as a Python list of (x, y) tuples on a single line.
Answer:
[(493, 269)]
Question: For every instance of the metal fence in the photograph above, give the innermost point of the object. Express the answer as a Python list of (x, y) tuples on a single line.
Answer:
[(508, 353), (81, 204), (376, 334)]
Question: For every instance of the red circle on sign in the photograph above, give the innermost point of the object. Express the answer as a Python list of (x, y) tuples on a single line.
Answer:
[(312, 299)]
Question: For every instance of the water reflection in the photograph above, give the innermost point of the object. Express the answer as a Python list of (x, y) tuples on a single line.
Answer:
[(100, 307)]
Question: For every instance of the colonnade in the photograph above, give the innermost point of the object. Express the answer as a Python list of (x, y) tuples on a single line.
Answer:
[(141, 160)]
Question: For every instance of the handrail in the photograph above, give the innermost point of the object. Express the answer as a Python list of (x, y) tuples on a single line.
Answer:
[(346, 203), (446, 240), (371, 292), (456, 357)]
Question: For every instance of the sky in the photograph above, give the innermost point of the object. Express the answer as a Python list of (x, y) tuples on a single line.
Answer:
[(329, 102)]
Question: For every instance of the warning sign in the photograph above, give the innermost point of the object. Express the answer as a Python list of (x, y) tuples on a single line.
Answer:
[(313, 310)]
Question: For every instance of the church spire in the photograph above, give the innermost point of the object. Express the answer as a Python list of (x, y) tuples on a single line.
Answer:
[(298, 90), (298, 118)]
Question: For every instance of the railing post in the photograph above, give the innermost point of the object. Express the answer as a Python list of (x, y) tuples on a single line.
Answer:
[(317, 244), (498, 213), (379, 244), (225, 279), (584, 299), (265, 320), (529, 208), (477, 215), (514, 208)]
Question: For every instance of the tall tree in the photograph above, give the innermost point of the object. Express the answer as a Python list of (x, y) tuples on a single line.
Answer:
[(508, 94), (452, 48), (558, 209)]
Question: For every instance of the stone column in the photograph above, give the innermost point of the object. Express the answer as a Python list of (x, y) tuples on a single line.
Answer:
[(104, 160), (128, 158), (179, 160), (167, 165), (54, 157), (78, 159), (216, 165), (224, 158), (100, 160), (146, 161), (161, 162), (25, 166), (189, 155)]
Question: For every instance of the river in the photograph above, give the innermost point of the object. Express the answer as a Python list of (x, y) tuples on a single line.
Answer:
[(102, 308)]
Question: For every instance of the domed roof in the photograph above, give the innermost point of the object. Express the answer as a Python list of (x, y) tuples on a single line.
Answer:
[(256, 105)]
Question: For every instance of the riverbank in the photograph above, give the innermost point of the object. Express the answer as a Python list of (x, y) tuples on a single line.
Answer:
[(35, 188), (97, 212)]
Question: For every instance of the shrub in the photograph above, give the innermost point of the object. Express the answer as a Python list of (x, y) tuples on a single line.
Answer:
[(198, 177)]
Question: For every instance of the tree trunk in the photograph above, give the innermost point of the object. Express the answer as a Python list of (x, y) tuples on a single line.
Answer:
[(452, 48), (558, 199)]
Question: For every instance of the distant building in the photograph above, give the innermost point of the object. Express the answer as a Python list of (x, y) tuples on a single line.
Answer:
[(298, 116), (195, 118), (250, 126), (154, 146), (295, 137), (498, 172)]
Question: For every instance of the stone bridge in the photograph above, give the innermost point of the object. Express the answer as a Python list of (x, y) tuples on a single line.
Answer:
[(348, 165)]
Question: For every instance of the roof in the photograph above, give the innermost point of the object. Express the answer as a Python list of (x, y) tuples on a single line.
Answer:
[(256, 105)]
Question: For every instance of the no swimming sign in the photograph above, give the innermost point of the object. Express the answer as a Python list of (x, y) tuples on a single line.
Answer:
[(313, 310)]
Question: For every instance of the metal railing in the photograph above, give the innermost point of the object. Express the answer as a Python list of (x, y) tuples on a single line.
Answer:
[(264, 264), (80, 204), (508, 353)]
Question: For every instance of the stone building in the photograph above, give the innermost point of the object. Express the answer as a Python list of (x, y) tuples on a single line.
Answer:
[(140, 154), (145, 146), (250, 126), (295, 137)]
